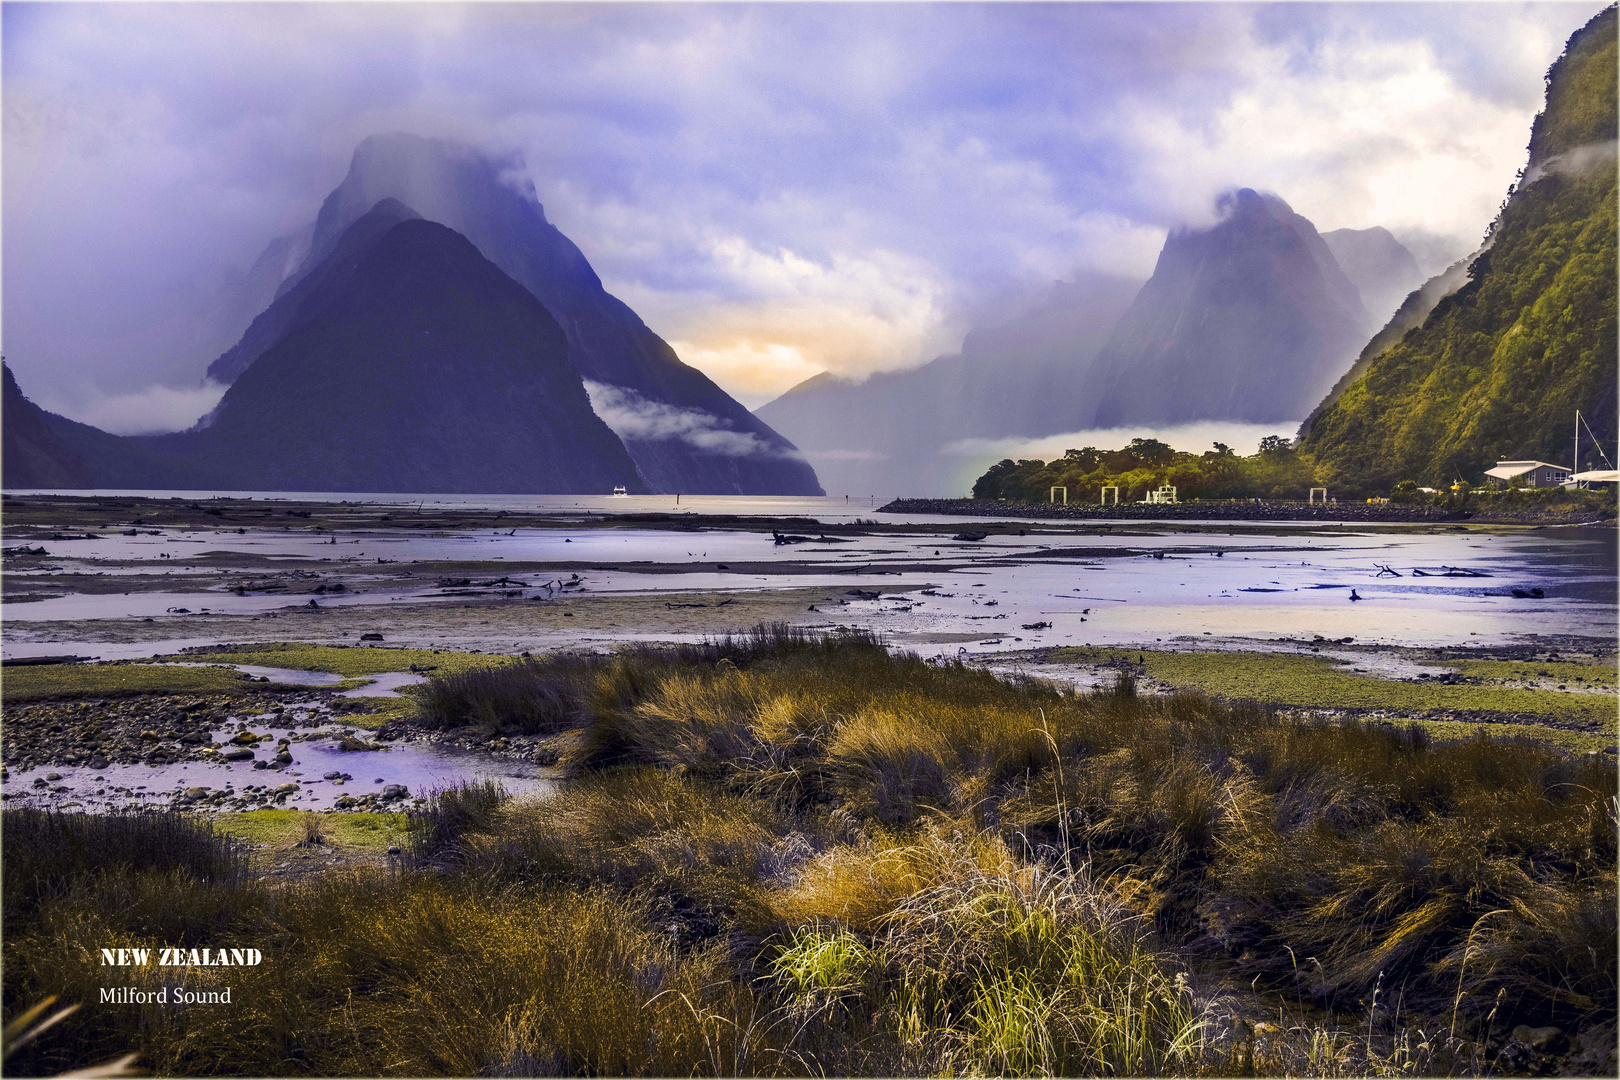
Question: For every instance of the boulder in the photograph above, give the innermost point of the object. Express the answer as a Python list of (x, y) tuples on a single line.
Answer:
[(1548, 1040)]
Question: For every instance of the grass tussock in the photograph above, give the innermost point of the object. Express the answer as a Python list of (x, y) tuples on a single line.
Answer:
[(50, 855), (789, 855)]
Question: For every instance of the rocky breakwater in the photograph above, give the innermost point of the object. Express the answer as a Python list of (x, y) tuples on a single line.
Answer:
[(1257, 510)]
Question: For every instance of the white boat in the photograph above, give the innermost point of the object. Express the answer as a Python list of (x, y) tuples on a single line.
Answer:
[(620, 493)]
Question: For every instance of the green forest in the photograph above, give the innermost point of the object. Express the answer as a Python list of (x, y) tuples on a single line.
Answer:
[(1276, 472), (1499, 368)]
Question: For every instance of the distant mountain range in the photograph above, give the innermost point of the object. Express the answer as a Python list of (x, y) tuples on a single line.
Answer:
[(1378, 265), (435, 333), (895, 431), (1491, 359), (1252, 319)]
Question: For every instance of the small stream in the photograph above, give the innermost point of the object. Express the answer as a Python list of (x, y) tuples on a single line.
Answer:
[(419, 768)]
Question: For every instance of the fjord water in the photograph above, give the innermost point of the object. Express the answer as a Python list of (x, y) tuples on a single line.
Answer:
[(1094, 583), (1121, 583)]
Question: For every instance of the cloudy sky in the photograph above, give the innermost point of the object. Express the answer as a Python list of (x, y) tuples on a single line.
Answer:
[(778, 189)]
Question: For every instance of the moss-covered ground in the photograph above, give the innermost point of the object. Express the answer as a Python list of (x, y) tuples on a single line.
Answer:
[(285, 828), (119, 680), (1580, 742), (383, 710), (349, 661), (1537, 671), (1317, 683)]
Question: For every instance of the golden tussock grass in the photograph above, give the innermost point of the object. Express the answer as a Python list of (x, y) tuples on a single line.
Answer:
[(780, 854)]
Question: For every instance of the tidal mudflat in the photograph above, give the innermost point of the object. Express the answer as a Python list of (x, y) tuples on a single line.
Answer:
[(396, 591)]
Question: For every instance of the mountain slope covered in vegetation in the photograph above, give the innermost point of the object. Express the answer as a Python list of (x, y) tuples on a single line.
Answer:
[(1499, 368)]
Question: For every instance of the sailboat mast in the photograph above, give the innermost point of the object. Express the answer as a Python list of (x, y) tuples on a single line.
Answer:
[(1577, 467)]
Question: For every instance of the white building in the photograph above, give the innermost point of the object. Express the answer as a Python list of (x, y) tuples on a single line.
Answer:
[(1538, 474)]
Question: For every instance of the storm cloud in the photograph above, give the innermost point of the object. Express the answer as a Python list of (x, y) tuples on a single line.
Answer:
[(777, 189)]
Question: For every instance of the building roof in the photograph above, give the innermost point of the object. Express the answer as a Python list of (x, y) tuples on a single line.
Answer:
[(1507, 470)]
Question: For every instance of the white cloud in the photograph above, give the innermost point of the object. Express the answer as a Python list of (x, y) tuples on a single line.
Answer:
[(1370, 132), (752, 372), (635, 419), (1581, 159), (152, 411), (780, 316), (779, 188)]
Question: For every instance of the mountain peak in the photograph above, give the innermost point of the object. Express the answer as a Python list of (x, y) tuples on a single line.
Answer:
[(475, 194), (1249, 202), (1249, 319), (298, 300), (415, 364)]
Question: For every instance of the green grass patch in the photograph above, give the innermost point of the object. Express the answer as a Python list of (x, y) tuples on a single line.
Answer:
[(287, 827), (120, 680), (382, 710), (1315, 682), (1563, 671), (1579, 742), (352, 662)]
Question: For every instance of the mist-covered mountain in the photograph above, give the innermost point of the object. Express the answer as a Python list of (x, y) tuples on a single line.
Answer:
[(894, 432), (684, 433), (1251, 320), (1496, 367), (403, 361), (301, 298), (1379, 266), (34, 456)]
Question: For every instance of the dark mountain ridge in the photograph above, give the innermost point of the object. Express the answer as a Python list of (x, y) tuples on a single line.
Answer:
[(34, 455), (607, 342), (407, 362), (299, 299)]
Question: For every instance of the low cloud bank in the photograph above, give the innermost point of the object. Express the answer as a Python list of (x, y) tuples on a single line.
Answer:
[(635, 418), (152, 411), (1584, 158)]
